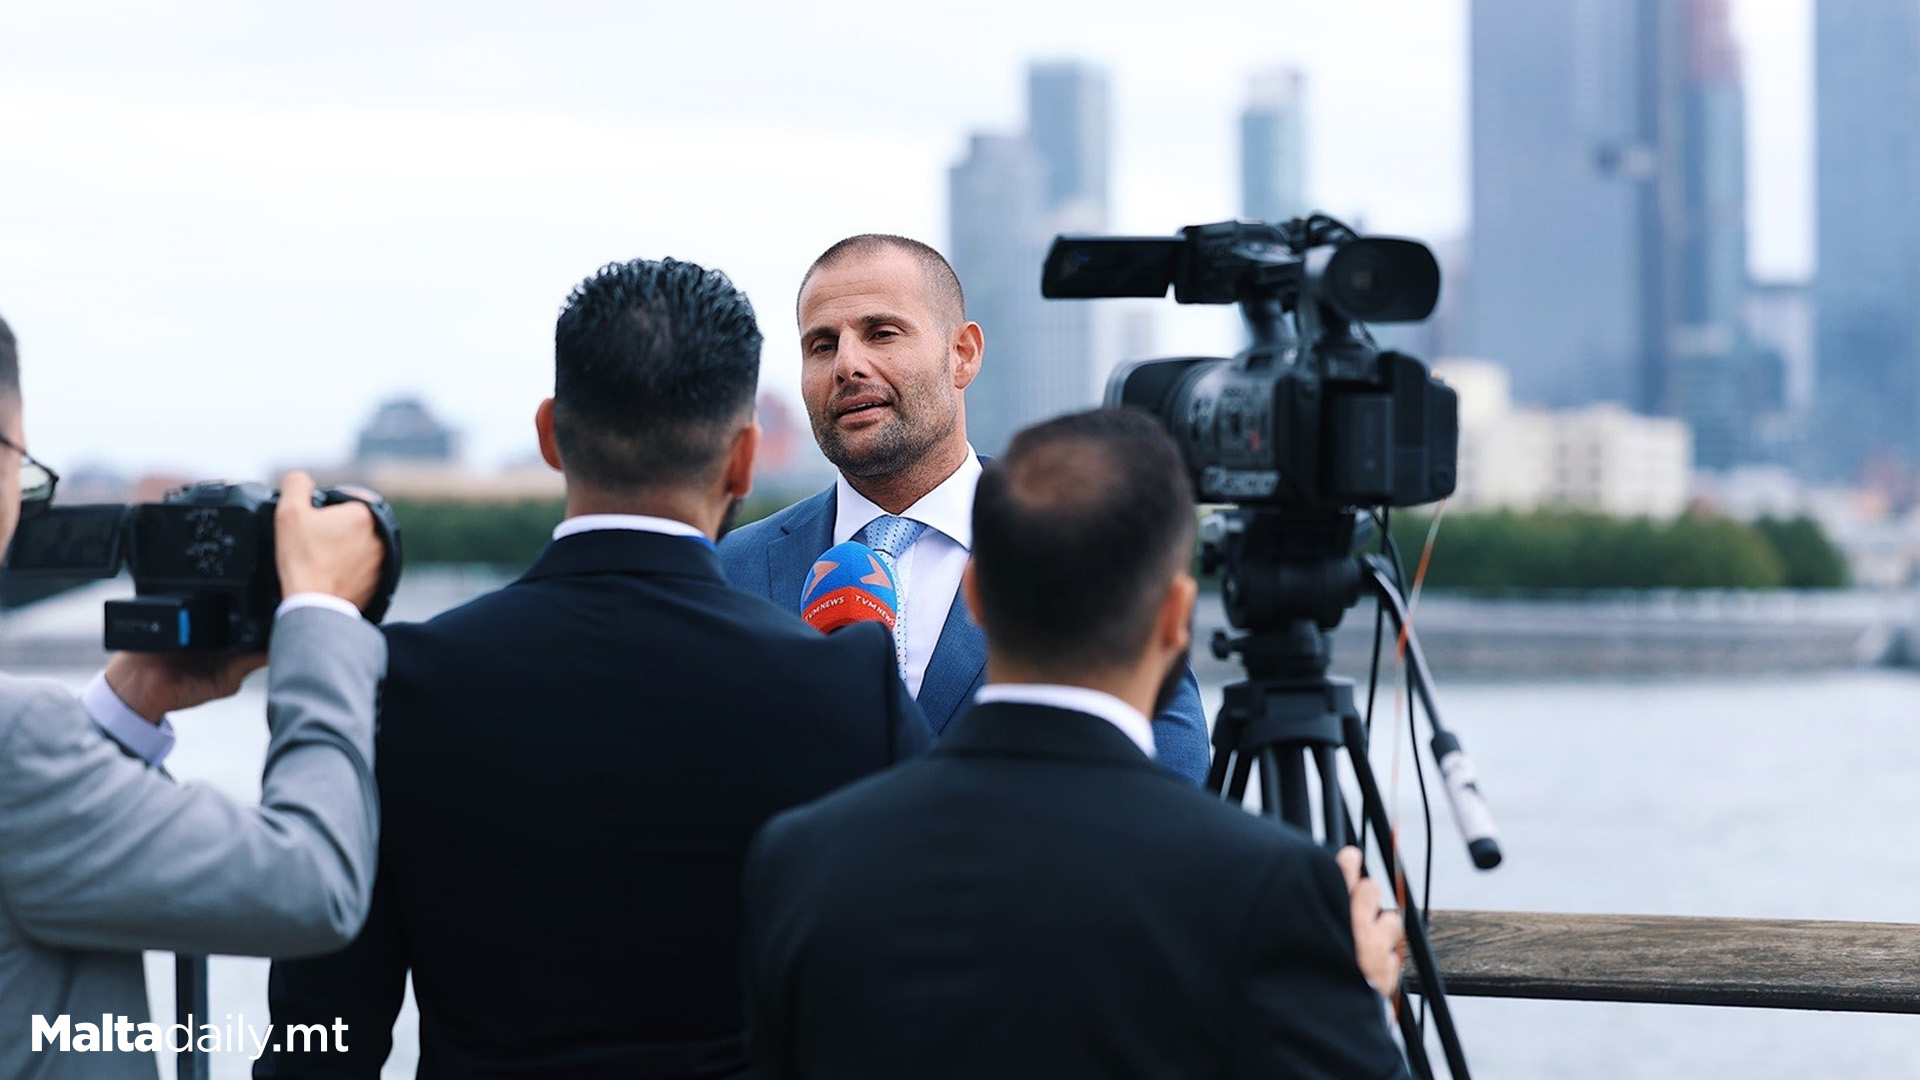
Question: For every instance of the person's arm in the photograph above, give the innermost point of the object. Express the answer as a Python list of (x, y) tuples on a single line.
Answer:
[(1305, 1008), (360, 986), (1180, 733), (98, 852), (143, 739), (1378, 934)]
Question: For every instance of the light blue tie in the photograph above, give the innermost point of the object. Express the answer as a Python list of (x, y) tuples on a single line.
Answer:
[(890, 535)]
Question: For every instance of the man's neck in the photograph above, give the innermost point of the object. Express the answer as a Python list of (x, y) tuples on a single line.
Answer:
[(895, 492), (674, 506)]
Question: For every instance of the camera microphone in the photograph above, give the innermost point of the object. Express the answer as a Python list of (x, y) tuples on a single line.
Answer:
[(848, 584), (1470, 809)]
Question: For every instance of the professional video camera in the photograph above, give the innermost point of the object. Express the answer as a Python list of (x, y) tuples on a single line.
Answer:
[(204, 577), (1310, 413), (1311, 433)]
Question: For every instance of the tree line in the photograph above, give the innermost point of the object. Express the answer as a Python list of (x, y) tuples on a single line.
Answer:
[(1507, 551), (508, 535), (1502, 551)]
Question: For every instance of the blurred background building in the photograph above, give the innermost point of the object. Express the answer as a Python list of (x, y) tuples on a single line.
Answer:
[(1867, 221), (1598, 457), (1609, 217), (1006, 199), (1273, 146)]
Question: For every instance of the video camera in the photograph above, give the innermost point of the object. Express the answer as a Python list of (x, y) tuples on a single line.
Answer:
[(202, 561), (1311, 413), (1311, 432)]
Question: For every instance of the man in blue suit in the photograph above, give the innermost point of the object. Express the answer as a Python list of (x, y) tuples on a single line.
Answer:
[(886, 356)]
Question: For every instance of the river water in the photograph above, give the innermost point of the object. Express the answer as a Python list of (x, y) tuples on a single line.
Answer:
[(1756, 797)]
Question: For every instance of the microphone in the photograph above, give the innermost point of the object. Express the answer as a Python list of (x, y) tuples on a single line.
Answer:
[(848, 584)]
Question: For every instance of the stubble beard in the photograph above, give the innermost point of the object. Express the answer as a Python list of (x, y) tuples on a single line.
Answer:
[(892, 450)]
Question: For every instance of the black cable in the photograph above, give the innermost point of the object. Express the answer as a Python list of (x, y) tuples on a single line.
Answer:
[(1373, 669), (1426, 813), (1419, 770)]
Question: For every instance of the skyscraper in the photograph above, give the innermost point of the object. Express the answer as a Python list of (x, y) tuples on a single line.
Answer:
[(1067, 120), (1273, 147), (1715, 378), (1565, 165), (1609, 201), (997, 219), (1867, 213), (1006, 200)]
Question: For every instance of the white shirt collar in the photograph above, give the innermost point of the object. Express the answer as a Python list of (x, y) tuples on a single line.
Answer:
[(1077, 699), (631, 522), (948, 508)]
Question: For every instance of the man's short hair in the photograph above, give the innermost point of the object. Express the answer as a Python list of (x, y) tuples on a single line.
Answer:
[(655, 366), (9, 360), (1077, 530), (943, 285)]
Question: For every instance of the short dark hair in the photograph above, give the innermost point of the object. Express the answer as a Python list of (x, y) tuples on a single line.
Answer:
[(1077, 529), (9, 360), (943, 285), (654, 364)]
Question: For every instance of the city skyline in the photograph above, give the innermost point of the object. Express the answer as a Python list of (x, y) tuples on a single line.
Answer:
[(253, 229)]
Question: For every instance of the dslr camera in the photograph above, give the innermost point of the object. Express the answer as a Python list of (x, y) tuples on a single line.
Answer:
[(202, 562), (1311, 414)]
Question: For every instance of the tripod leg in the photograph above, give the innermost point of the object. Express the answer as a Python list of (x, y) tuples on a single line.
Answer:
[(1419, 947), (1242, 766), (1333, 807), (1411, 1035), (1296, 808)]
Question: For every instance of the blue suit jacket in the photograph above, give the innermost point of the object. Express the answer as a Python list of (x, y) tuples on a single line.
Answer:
[(771, 557)]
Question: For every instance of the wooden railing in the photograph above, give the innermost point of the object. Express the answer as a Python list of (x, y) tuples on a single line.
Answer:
[(1667, 960)]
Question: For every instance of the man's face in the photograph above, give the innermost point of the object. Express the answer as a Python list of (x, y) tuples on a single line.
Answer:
[(878, 369)]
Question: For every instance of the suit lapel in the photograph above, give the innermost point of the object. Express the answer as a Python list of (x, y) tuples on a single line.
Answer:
[(959, 664), (957, 669), (808, 533)]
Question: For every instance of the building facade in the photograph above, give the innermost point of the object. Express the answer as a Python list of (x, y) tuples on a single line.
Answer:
[(1609, 201), (1867, 218), (1600, 458), (1007, 198)]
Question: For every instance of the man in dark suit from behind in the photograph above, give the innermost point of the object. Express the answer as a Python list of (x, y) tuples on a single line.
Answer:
[(570, 768), (1033, 898)]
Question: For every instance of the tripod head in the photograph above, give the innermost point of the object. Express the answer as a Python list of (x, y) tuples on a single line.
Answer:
[(1288, 575)]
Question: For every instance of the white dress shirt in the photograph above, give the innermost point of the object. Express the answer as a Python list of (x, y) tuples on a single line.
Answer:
[(928, 572), (151, 742), (1076, 699)]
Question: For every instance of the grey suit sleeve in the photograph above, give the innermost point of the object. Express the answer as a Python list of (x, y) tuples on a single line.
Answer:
[(97, 852)]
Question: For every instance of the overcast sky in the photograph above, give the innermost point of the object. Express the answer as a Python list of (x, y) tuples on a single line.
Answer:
[(228, 229)]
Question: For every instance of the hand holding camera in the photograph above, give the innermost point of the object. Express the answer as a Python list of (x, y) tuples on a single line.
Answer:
[(332, 549), (335, 549)]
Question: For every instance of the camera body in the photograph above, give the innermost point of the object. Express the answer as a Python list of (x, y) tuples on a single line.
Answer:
[(201, 559), (1310, 414)]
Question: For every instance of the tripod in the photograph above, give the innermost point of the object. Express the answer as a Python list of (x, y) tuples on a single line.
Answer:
[(1289, 576)]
